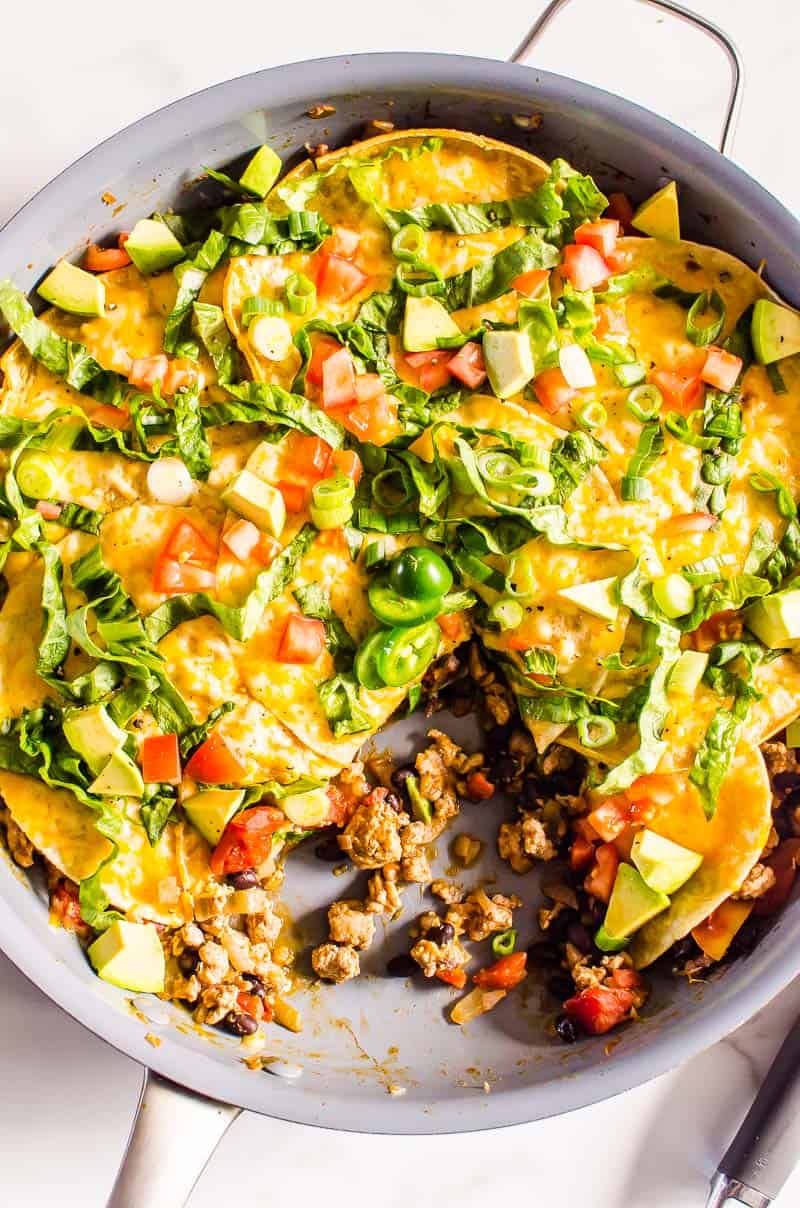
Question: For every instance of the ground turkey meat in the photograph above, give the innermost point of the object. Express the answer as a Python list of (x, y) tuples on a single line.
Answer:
[(437, 948), (520, 843), (372, 836), (214, 963), (264, 927), (19, 844), (335, 963), (383, 895), (759, 879), (480, 916), (350, 923)]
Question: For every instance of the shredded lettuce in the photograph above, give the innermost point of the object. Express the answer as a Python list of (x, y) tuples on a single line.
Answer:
[(315, 601), (720, 740), (340, 698)]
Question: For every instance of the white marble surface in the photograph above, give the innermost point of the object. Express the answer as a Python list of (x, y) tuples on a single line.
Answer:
[(73, 74)]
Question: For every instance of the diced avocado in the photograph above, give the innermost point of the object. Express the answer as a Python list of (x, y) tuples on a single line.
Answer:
[(261, 173), (633, 903), (775, 619), (152, 246), (793, 733), (129, 955), (211, 810), (687, 673), (93, 734), (307, 809), (73, 289), (659, 215), (509, 361), (258, 501), (599, 597), (674, 595), (664, 865), (774, 330), (119, 778), (425, 323), (609, 943)]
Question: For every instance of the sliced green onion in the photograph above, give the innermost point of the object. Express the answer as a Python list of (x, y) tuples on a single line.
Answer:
[(374, 554), (596, 731), (392, 488), (373, 457), (536, 483), (533, 456), (498, 469), (253, 306), (684, 428), (635, 489), (331, 518), (764, 482), (630, 374), (504, 943), (775, 378), (644, 402), (303, 222), (674, 595), (409, 243), (301, 293), (506, 614), (333, 493), (707, 570), (703, 334), (37, 476), (591, 415), (419, 280)]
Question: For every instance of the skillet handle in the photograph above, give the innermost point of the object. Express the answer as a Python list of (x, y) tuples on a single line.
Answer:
[(722, 39), (174, 1134)]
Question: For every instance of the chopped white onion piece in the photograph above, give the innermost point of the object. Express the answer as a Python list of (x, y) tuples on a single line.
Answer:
[(284, 1069), (271, 337), (576, 366), (168, 481), (477, 1002)]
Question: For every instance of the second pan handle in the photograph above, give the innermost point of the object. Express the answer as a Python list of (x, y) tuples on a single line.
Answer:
[(521, 54)]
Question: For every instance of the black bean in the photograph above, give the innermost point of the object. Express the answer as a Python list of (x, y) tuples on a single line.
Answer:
[(786, 780), (745, 939), (579, 937), (240, 1024), (543, 955), (247, 879), (441, 935), (530, 793), (559, 926), (561, 986), (256, 984), (400, 776), (187, 961), (401, 966), (504, 769), (566, 1029), (329, 851), (496, 741), (394, 802)]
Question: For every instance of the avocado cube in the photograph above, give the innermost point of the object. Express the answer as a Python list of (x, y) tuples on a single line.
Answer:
[(775, 619), (633, 903), (152, 246), (425, 323), (775, 331), (129, 955), (688, 672), (509, 361), (609, 943), (659, 215), (664, 865), (257, 501), (211, 810), (307, 809), (74, 290), (261, 173), (119, 778), (93, 734), (598, 597)]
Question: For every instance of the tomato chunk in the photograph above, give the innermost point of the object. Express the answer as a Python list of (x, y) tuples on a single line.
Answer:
[(65, 906), (214, 762), (348, 462), (602, 235), (324, 347), (451, 625), (338, 280), (295, 496), (552, 390), (530, 282), (306, 458), (721, 369), (452, 977), (468, 365), (174, 578), (343, 242), (581, 854), (241, 538), (431, 368), (681, 390), (479, 786), (106, 416), (600, 880), (598, 1009), (688, 522), (187, 544), (368, 387), (50, 511), (303, 640), (504, 974), (610, 321), (584, 267), (375, 422), (247, 840), (338, 380), (146, 371), (722, 627), (161, 760), (104, 259)]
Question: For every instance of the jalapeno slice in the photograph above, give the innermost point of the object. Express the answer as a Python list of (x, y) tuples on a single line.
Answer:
[(393, 609), (406, 653), (366, 660), (420, 573)]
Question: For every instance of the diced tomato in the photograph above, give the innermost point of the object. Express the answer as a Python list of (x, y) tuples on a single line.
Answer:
[(432, 368), (173, 578), (610, 321), (504, 974), (347, 462), (619, 261), (146, 371), (215, 763), (581, 854), (251, 1004), (50, 511), (468, 365), (103, 259), (584, 828), (451, 625), (161, 759), (338, 380), (530, 282), (602, 235), (619, 207), (657, 788), (303, 640), (338, 279), (343, 804), (600, 880), (306, 458), (721, 369), (241, 539), (343, 242), (324, 347), (584, 267), (375, 422), (452, 977), (598, 1009), (722, 627), (187, 544), (687, 523), (267, 549), (552, 390), (65, 906), (519, 642), (626, 979), (180, 376), (295, 496), (681, 391), (247, 839), (105, 416), (479, 786), (783, 861), (368, 387)]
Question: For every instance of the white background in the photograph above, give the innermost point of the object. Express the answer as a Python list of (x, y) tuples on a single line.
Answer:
[(73, 73)]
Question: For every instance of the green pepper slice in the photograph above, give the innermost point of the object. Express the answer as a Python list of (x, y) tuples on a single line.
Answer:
[(406, 653), (366, 660), (393, 609)]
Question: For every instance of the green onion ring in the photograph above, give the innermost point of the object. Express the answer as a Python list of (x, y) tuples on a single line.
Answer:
[(595, 731), (644, 402)]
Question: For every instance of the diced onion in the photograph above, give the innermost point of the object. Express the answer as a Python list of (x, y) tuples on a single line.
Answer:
[(271, 337), (576, 367), (477, 1002), (168, 481)]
